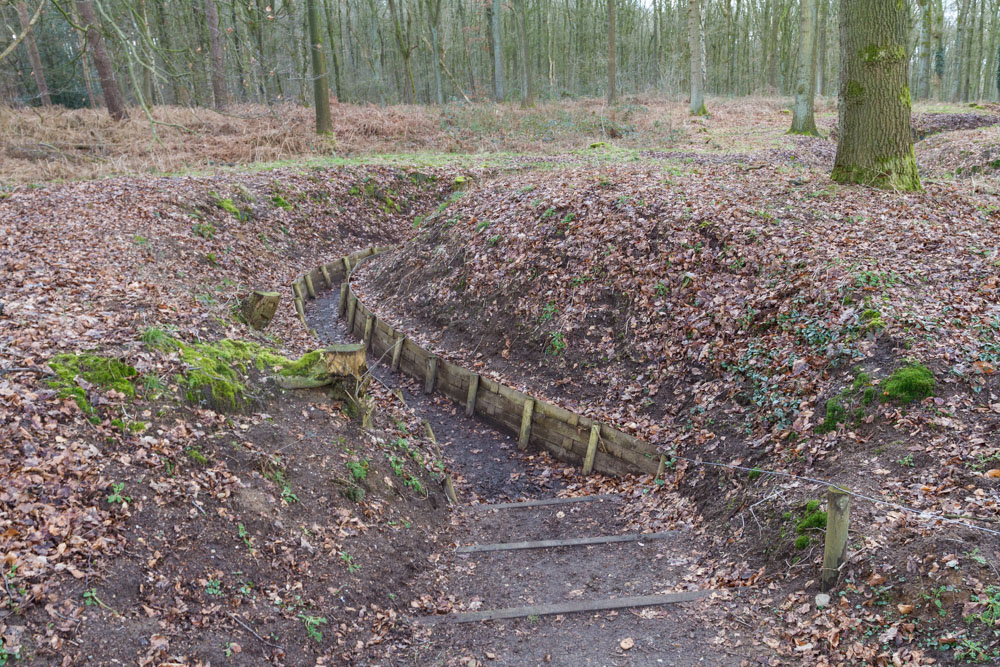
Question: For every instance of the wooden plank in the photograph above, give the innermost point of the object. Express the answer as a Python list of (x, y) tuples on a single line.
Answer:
[(432, 369), (352, 306), (570, 542), (327, 280), (342, 306), (546, 501), (369, 330), (588, 461), (397, 351), (566, 607)]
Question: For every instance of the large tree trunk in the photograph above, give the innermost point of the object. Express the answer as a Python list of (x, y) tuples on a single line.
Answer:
[(803, 121), (32, 46), (612, 93), (105, 69), (215, 50), (874, 143), (697, 59), (321, 94)]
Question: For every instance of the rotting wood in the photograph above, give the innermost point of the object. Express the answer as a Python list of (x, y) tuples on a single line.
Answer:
[(470, 401), (599, 497), (397, 352), (595, 436), (570, 542), (566, 607), (342, 305), (525, 435), (309, 285), (432, 367), (259, 307), (838, 509)]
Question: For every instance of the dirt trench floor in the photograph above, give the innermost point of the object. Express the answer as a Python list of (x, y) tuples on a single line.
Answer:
[(489, 469)]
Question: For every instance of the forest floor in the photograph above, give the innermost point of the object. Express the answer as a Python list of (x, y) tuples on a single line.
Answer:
[(171, 493)]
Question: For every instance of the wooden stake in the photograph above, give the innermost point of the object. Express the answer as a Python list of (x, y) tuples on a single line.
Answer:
[(595, 435), (352, 308), (347, 267), (470, 402), (326, 276), (525, 436), (300, 310), (397, 353), (309, 286), (297, 290), (449, 490), (432, 371), (663, 466), (342, 306), (369, 330), (838, 509)]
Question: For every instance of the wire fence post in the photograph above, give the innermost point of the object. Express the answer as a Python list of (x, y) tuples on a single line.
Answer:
[(838, 508)]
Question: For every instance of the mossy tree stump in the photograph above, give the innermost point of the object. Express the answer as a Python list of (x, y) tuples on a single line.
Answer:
[(259, 307), (343, 368)]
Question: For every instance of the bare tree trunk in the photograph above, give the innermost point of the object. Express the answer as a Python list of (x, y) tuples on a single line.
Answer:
[(33, 57), (803, 121), (611, 52), (695, 42), (105, 70), (874, 143), (496, 16), (215, 50), (527, 94), (321, 94)]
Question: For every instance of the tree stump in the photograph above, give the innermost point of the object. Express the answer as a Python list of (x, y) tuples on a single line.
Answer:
[(259, 308), (342, 368)]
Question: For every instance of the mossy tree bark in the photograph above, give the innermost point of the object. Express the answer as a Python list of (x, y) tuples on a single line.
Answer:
[(697, 56), (321, 93), (803, 121), (874, 143)]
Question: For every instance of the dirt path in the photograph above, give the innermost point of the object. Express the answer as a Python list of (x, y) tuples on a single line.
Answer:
[(489, 469)]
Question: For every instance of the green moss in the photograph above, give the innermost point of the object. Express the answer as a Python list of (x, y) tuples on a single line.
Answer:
[(755, 473), (304, 366), (104, 372), (813, 519), (891, 173), (904, 97), (909, 383), (874, 54), (802, 541), (280, 202), (872, 320), (855, 92), (196, 455), (868, 397), (861, 380), (835, 414), (700, 111)]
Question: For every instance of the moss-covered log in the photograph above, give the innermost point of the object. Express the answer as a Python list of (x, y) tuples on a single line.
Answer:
[(874, 144)]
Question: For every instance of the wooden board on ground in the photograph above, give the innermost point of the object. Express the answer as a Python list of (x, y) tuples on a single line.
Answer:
[(545, 501), (571, 542), (566, 607)]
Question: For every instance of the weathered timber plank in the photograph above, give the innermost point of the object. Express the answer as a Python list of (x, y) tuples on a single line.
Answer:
[(570, 542)]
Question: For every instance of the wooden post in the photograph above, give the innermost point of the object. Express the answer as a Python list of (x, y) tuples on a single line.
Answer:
[(397, 353), (352, 308), (347, 267), (595, 435), (369, 330), (309, 286), (326, 276), (838, 508), (297, 290), (300, 310), (525, 436), (432, 371), (259, 307), (342, 306), (470, 402)]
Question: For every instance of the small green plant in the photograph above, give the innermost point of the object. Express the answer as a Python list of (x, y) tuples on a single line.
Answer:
[(414, 483), (973, 650), (906, 461), (116, 497), (280, 202), (493, 240), (140, 241), (244, 535), (557, 343), (348, 559), (662, 289), (482, 224), (205, 230), (549, 311), (196, 455), (213, 587), (312, 624), (287, 495), (358, 469), (755, 473), (396, 463), (990, 600), (91, 599)]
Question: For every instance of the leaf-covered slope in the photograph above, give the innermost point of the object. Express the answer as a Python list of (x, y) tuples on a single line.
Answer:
[(654, 296)]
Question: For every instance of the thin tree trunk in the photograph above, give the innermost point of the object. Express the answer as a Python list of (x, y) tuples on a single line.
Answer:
[(611, 52), (215, 51), (874, 143), (498, 83), (105, 70), (803, 121), (32, 46), (695, 41), (337, 90), (527, 94)]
